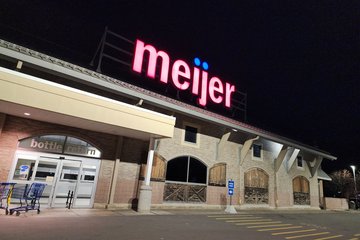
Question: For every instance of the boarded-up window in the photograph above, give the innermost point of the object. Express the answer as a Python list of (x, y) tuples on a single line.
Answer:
[(158, 169), (301, 189), (301, 184), (217, 175), (256, 178), (256, 186)]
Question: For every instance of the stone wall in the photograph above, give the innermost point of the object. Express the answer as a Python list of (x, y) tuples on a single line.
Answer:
[(215, 145), (209, 150), (336, 203)]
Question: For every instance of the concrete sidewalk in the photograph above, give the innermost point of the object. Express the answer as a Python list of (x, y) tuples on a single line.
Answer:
[(63, 212), (56, 212), (73, 213)]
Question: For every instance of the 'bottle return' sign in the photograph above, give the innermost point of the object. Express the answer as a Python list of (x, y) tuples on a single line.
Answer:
[(60, 144)]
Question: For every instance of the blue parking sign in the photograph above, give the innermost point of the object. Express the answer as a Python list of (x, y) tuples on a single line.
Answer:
[(231, 191), (231, 184)]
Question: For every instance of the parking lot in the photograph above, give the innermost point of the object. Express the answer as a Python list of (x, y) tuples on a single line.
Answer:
[(180, 224)]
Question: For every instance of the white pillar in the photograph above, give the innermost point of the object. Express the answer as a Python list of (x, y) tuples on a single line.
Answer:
[(149, 167), (145, 194)]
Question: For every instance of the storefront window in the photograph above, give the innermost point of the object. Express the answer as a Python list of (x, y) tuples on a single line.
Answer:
[(24, 169), (88, 173), (45, 171)]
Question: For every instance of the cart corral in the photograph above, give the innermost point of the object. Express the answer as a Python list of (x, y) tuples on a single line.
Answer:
[(20, 197)]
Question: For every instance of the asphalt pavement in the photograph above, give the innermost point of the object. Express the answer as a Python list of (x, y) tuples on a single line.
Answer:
[(180, 224)]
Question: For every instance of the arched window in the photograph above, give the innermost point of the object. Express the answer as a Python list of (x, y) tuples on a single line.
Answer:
[(185, 180), (256, 186), (186, 169), (301, 189)]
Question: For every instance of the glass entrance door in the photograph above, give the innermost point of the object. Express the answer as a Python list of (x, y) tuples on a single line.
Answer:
[(75, 183), (46, 172), (67, 182), (65, 178), (86, 185)]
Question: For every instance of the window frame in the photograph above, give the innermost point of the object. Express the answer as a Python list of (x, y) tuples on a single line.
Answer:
[(261, 151), (189, 159), (298, 157), (187, 143)]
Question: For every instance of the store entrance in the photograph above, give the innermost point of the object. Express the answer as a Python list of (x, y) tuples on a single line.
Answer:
[(70, 181)]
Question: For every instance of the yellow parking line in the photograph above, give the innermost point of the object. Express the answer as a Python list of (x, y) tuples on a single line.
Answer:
[(281, 228), (272, 225), (249, 220), (291, 232), (227, 215), (331, 237), (223, 217), (307, 235), (354, 239), (356, 235), (255, 223), (241, 219), (236, 218)]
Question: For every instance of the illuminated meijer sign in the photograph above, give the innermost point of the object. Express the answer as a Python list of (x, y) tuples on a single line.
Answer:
[(182, 77)]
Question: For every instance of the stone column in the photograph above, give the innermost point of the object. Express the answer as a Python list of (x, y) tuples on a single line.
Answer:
[(115, 172), (144, 203)]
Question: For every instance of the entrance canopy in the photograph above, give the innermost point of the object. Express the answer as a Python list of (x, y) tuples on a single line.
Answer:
[(27, 96)]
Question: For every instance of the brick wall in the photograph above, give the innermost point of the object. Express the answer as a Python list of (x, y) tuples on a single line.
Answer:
[(157, 192), (127, 183), (217, 196), (104, 181), (16, 128)]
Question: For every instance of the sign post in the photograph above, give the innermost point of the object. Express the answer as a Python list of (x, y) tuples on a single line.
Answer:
[(230, 208)]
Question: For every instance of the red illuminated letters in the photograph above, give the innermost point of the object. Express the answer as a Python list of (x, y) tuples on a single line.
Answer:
[(182, 76)]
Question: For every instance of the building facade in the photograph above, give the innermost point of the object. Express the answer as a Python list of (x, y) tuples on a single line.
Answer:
[(91, 136)]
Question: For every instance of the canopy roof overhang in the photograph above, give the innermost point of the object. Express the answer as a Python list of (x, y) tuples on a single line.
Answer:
[(55, 103)]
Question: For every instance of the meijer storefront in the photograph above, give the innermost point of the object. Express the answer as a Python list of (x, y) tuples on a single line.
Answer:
[(93, 136)]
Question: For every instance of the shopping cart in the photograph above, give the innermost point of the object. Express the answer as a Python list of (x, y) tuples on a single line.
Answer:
[(5, 194), (29, 197)]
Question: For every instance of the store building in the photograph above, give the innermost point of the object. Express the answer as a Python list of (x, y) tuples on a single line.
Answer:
[(83, 132)]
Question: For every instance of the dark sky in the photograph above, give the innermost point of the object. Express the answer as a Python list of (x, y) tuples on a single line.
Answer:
[(298, 61)]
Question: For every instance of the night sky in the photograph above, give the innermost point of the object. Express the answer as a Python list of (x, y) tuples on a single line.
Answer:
[(298, 61)]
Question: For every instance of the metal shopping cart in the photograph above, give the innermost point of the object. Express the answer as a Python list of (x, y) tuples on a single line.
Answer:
[(29, 197), (5, 194)]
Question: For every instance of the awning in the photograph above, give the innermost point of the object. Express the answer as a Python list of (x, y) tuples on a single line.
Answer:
[(55, 103), (323, 176)]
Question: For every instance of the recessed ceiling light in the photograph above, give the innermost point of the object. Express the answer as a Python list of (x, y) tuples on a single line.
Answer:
[(27, 114)]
